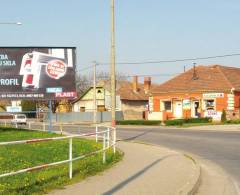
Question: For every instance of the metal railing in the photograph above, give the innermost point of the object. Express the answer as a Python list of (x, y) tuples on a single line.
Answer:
[(107, 143)]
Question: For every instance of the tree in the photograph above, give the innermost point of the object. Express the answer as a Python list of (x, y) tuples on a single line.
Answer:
[(30, 107), (223, 116), (85, 81)]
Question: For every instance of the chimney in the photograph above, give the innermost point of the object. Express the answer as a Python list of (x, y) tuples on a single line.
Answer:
[(147, 84), (135, 84), (195, 77)]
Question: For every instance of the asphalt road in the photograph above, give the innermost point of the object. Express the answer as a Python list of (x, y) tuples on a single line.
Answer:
[(219, 147)]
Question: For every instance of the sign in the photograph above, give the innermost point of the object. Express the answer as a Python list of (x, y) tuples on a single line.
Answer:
[(216, 116), (14, 108), (54, 90), (37, 72), (213, 95), (230, 102), (186, 104)]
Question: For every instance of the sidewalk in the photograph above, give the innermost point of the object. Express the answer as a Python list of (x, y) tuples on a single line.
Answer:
[(145, 169), (232, 127)]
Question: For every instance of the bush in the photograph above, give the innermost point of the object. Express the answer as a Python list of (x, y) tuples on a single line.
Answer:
[(179, 122), (223, 116), (175, 122), (233, 121), (138, 122)]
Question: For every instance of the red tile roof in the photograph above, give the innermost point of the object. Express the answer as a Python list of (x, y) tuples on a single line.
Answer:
[(125, 90), (213, 78)]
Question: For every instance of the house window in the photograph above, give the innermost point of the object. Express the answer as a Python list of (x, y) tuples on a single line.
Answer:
[(209, 104), (167, 105)]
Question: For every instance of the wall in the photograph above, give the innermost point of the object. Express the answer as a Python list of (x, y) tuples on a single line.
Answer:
[(133, 110), (88, 104), (81, 117)]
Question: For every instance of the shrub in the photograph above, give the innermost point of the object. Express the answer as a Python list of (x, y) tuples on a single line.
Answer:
[(223, 116), (138, 122), (233, 121), (179, 122), (174, 122)]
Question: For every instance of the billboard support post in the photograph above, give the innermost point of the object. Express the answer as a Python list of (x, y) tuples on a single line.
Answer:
[(50, 116)]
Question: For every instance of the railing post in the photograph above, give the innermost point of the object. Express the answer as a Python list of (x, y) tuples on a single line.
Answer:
[(114, 140), (108, 137), (70, 158), (29, 125), (96, 133), (104, 147), (16, 125), (44, 126), (61, 128)]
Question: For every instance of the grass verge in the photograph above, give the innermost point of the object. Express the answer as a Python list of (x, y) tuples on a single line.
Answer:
[(15, 157)]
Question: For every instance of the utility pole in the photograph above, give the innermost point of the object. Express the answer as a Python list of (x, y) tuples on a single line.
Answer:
[(94, 95), (113, 72)]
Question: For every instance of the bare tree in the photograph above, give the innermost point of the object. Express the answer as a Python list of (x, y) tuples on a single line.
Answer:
[(84, 82)]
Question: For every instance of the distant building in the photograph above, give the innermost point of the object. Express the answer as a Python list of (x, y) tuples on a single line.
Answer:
[(203, 91), (131, 98)]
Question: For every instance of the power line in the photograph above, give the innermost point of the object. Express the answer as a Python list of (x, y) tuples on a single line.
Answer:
[(177, 60), (164, 61)]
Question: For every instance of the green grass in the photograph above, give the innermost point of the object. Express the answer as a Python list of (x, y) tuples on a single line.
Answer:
[(15, 157)]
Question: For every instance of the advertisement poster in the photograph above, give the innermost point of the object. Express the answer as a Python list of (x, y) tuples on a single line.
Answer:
[(186, 104), (37, 73)]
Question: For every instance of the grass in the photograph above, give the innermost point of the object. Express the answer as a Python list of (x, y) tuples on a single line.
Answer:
[(15, 157)]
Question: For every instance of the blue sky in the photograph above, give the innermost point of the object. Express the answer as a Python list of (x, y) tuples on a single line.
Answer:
[(145, 30)]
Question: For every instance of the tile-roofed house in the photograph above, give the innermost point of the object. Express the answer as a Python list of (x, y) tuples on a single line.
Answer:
[(132, 98), (200, 91)]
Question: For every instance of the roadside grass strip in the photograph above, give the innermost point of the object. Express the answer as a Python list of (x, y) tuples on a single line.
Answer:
[(21, 156)]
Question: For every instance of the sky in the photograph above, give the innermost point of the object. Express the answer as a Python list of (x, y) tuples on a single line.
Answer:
[(146, 30)]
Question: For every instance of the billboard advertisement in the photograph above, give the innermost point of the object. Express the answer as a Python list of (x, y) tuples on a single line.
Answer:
[(37, 72)]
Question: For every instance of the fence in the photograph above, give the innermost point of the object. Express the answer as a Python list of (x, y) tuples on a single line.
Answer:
[(107, 143), (83, 116)]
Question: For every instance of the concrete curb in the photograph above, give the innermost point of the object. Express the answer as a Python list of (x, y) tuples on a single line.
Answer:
[(192, 186)]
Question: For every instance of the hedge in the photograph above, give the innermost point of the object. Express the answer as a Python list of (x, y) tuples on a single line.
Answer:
[(179, 122), (233, 121), (139, 122)]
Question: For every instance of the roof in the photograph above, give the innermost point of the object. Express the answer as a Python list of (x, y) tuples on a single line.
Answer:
[(125, 90), (214, 78)]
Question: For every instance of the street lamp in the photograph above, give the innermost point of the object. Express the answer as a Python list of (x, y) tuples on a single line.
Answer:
[(11, 23)]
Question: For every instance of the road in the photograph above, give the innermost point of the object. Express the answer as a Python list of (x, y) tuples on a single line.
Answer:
[(219, 147)]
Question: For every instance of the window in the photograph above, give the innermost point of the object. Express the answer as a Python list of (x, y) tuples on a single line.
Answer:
[(209, 104), (167, 105), (82, 109)]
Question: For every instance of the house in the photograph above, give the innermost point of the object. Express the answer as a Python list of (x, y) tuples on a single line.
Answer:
[(131, 98), (203, 91)]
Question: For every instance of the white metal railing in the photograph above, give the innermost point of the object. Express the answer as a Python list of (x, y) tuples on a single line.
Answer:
[(105, 141)]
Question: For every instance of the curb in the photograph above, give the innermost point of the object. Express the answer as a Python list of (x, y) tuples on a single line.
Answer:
[(193, 184)]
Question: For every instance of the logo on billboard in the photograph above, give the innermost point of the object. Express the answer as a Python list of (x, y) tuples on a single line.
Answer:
[(56, 69)]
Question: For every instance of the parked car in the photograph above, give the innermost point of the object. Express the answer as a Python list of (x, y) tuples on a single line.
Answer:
[(19, 119)]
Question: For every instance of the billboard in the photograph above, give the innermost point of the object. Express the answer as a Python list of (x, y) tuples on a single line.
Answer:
[(37, 72)]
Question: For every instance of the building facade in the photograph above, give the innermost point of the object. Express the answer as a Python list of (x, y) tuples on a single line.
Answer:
[(131, 98), (203, 91)]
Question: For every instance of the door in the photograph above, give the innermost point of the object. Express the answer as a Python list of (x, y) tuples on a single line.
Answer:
[(195, 109), (178, 109)]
